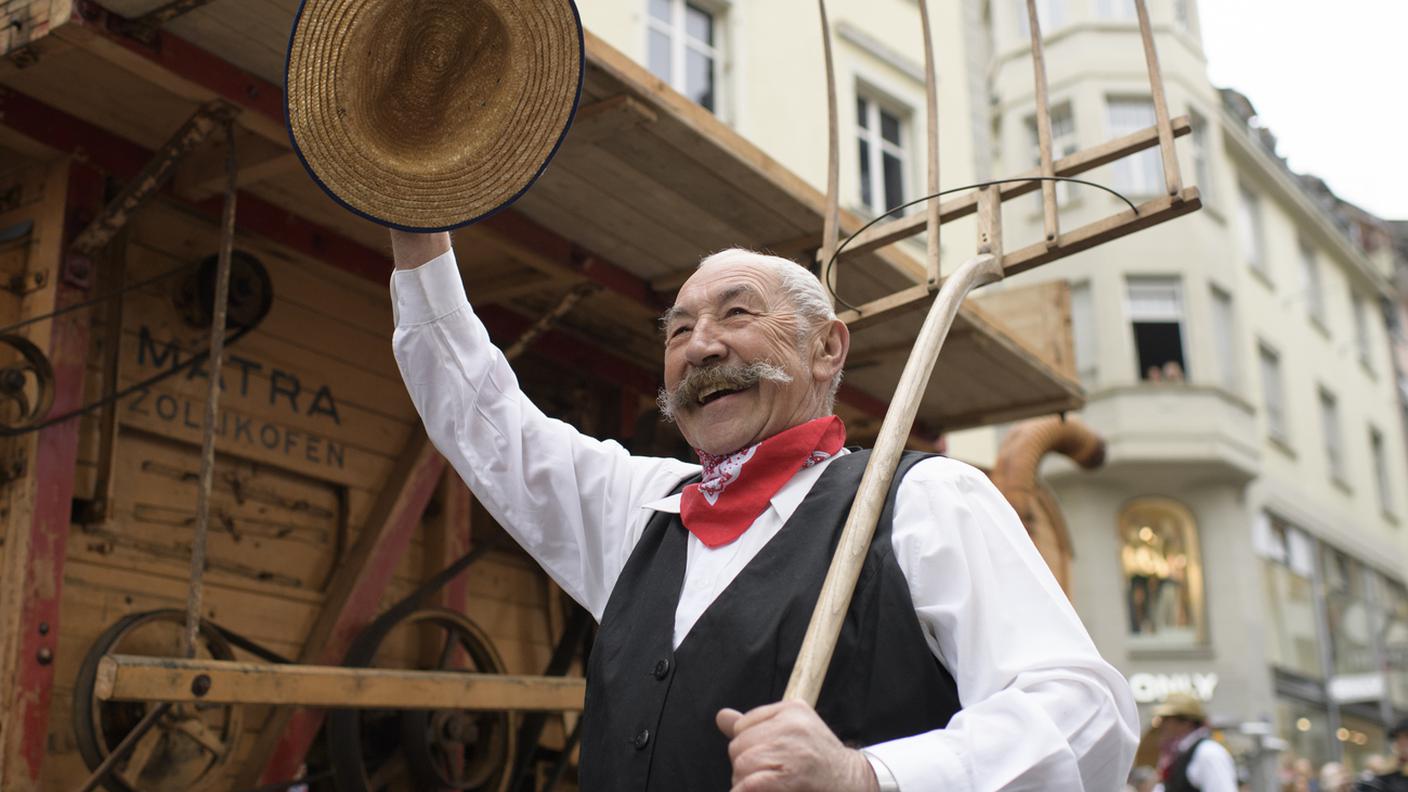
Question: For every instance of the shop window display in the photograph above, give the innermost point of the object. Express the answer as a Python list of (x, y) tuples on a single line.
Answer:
[(1347, 612), (1393, 600), (1163, 571)]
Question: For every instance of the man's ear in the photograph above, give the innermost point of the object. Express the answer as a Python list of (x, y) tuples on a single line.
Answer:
[(831, 346)]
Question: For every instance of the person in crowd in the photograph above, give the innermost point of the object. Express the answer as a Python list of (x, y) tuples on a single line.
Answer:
[(1190, 759), (1395, 780)]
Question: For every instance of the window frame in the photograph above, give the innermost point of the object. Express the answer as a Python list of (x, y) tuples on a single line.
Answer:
[(878, 102), (1312, 282), (1251, 230), (1062, 145), (1144, 170), (1088, 369), (1378, 455), (1229, 371), (1050, 14), (1182, 318), (1278, 430), (681, 42), (1332, 434)]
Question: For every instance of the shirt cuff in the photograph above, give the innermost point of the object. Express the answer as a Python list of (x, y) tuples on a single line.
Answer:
[(427, 292), (882, 773), (919, 763)]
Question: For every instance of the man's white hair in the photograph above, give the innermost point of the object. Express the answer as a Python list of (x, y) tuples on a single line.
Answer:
[(802, 289)]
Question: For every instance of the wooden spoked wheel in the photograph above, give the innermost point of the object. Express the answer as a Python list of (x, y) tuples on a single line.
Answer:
[(189, 746), (404, 750)]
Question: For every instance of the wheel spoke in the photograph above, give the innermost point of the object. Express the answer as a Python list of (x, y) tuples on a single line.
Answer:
[(196, 729), (141, 756)]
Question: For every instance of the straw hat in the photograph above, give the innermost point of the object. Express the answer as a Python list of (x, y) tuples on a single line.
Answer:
[(431, 114), (1182, 705)]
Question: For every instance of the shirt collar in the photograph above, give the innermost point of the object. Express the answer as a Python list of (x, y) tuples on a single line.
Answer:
[(784, 501)]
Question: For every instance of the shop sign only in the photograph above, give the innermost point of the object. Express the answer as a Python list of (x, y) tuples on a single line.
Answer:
[(1155, 688)]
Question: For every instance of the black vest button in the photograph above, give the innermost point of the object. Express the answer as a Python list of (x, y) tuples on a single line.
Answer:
[(662, 669), (641, 740)]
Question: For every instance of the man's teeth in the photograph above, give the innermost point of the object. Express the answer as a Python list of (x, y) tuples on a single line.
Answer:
[(709, 393)]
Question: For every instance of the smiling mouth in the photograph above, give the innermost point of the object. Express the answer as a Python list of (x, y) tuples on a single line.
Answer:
[(714, 394)]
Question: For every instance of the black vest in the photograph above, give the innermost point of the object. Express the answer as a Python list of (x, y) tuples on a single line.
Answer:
[(649, 717), (1177, 780)]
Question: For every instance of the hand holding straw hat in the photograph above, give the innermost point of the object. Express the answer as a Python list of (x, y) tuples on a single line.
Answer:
[(427, 115)]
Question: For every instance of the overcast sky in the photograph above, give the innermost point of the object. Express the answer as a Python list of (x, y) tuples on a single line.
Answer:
[(1330, 79)]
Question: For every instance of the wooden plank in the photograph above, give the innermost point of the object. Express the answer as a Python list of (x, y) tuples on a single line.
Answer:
[(884, 233), (37, 524), (351, 601), (135, 678), (607, 117)]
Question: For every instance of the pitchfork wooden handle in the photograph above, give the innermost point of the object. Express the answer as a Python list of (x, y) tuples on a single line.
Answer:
[(835, 599)]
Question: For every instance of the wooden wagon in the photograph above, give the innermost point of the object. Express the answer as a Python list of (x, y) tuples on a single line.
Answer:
[(329, 506)]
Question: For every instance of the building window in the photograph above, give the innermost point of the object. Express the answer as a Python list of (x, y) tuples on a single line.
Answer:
[(1162, 571), (1394, 629), (1292, 641), (882, 132), (1273, 395), (1156, 316), (1116, 9), (1249, 228), (1202, 155), (1330, 427), (1063, 143), (1381, 474), (1314, 289), (1185, 13), (1225, 336), (1140, 174), (1050, 14), (1083, 332), (1347, 612), (1361, 329), (683, 49)]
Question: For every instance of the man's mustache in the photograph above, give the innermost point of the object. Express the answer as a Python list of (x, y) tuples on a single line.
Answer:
[(703, 380)]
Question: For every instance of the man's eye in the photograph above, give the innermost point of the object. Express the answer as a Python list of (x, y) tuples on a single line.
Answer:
[(679, 331), (737, 311)]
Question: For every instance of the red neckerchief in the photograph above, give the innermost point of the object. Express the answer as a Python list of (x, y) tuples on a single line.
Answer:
[(737, 487)]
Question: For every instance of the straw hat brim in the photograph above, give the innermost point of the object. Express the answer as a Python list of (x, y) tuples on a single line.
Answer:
[(428, 115)]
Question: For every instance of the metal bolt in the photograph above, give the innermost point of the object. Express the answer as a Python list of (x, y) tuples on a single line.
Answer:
[(200, 685), (45, 655), (43, 628)]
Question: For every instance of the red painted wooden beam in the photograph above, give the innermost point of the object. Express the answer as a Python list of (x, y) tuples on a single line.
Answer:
[(52, 477)]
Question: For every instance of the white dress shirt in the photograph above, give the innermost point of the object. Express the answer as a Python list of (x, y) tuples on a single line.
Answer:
[(1041, 709)]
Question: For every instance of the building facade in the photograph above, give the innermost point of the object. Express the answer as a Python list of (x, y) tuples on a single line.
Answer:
[(1245, 540)]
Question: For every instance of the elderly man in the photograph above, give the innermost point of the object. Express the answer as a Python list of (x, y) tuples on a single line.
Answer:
[(1397, 780), (961, 665)]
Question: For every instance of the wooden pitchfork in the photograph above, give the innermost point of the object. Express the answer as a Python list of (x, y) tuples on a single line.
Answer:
[(987, 266)]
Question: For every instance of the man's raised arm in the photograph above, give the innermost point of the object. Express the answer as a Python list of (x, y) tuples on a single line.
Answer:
[(572, 501)]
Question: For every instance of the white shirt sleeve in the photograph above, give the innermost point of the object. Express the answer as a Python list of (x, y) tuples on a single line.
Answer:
[(1041, 709), (572, 501), (1212, 768)]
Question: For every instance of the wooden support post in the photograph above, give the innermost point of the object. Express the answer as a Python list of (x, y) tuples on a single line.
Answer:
[(351, 602), (831, 213), (40, 502), (931, 108), (1173, 180), (1043, 129), (142, 678), (448, 537)]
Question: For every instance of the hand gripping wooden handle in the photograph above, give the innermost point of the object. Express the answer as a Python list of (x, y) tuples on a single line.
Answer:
[(835, 599)]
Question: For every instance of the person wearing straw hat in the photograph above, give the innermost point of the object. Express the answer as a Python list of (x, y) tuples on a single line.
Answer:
[(1192, 761), (961, 664), (1397, 780)]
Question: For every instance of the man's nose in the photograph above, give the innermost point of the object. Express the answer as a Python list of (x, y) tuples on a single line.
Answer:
[(706, 344)]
